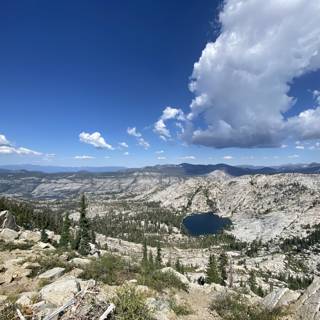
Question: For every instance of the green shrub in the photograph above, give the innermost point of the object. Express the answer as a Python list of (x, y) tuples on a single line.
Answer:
[(180, 309), (162, 280), (109, 269), (235, 307), (8, 312), (130, 304), (9, 246), (47, 263)]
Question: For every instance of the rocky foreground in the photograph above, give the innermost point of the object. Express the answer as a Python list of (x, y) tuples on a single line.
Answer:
[(39, 281)]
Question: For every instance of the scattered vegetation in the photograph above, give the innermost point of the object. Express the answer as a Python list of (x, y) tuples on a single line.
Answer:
[(154, 278), (148, 219), (159, 281), (130, 305), (222, 239), (30, 218), (236, 306), (46, 263), (9, 246), (180, 309), (110, 269), (297, 244), (8, 312)]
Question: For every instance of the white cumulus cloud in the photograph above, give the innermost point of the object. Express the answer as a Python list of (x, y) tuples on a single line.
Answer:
[(95, 139), (227, 157), (133, 132), (141, 141), (241, 81), (7, 148), (19, 151), (168, 113), (3, 140), (84, 157), (188, 158), (123, 145)]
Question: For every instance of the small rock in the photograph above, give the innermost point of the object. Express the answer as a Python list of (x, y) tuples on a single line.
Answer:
[(26, 298), (52, 273), (8, 234), (80, 262), (75, 272), (160, 308), (133, 281), (31, 265), (43, 245)]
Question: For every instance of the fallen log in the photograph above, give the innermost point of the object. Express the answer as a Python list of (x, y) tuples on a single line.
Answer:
[(107, 312), (61, 309), (20, 315)]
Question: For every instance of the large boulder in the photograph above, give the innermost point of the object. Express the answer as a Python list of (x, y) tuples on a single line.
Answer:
[(60, 291), (307, 307), (8, 220), (8, 234), (29, 235), (52, 273), (180, 276), (279, 298)]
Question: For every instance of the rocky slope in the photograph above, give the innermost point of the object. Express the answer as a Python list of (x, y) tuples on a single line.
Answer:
[(62, 186), (260, 206)]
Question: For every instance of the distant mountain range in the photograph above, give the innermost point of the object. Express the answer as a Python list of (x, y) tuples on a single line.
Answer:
[(57, 169), (186, 169), (183, 169)]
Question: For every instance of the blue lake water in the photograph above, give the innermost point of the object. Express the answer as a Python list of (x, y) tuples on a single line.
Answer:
[(204, 223)]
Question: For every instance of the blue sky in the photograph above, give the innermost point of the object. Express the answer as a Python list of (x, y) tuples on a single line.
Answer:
[(76, 75)]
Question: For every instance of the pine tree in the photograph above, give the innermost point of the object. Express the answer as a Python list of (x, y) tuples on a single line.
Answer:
[(93, 237), (158, 258), (177, 265), (65, 235), (144, 261), (44, 236), (76, 241), (150, 260), (223, 261), (213, 275), (84, 246), (253, 282)]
